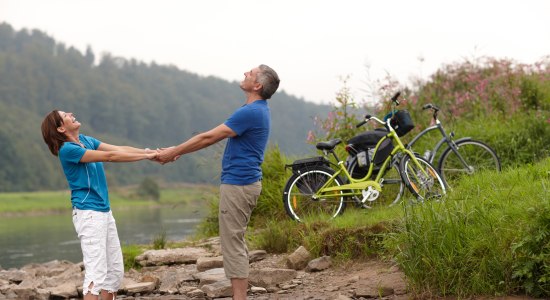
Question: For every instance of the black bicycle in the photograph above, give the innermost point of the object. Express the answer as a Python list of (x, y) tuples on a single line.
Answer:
[(464, 156)]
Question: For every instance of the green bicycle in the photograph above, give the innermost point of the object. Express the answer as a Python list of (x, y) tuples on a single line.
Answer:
[(320, 188)]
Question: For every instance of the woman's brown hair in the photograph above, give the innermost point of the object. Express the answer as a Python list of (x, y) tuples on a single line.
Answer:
[(53, 138)]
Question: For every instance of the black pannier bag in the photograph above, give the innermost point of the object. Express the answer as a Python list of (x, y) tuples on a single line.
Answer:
[(307, 163), (402, 122), (368, 140), (311, 183)]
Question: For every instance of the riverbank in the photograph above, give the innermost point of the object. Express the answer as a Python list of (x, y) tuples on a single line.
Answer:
[(195, 272), (57, 202)]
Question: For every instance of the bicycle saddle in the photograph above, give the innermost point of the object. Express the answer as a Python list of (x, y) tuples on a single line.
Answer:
[(328, 145)]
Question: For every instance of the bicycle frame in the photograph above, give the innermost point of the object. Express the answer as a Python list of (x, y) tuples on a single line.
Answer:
[(356, 186), (446, 139)]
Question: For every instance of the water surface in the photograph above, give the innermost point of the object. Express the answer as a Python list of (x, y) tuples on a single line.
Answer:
[(39, 239)]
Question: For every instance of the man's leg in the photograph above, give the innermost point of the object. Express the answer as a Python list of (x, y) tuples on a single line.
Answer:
[(240, 286), (236, 205)]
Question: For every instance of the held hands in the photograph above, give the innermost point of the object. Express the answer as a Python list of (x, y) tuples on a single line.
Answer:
[(166, 155), (151, 154)]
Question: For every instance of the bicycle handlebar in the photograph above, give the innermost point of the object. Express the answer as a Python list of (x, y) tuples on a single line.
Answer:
[(394, 98), (368, 118), (429, 105)]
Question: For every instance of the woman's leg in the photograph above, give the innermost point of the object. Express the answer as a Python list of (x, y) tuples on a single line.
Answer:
[(115, 263), (91, 227)]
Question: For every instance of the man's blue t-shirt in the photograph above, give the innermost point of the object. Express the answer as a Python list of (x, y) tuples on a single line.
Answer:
[(86, 180), (244, 153)]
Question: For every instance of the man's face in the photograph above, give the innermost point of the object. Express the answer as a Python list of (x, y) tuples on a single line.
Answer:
[(249, 83)]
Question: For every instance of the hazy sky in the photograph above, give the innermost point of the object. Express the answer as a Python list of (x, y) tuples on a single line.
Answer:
[(310, 43)]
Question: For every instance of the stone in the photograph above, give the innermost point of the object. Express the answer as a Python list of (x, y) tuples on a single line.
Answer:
[(319, 264), (142, 287), (266, 277), (210, 276), (65, 290), (207, 263), (258, 290), (218, 289), (298, 259), (188, 255), (256, 255)]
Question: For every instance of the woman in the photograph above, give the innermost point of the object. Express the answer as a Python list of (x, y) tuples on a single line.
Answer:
[(81, 157)]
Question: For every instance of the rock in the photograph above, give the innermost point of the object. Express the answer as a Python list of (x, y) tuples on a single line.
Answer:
[(188, 255), (172, 279), (151, 278), (299, 259), (258, 290), (218, 289), (64, 290), (256, 255), (266, 277), (210, 276), (319, 264), (13, 275), (142, 287), (191, 291), (369, 292), (207, 263)]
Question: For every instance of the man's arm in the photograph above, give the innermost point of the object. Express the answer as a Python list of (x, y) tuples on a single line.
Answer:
[(197, 142)]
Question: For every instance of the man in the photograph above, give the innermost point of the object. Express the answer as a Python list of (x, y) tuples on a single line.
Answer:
[(248, 130)]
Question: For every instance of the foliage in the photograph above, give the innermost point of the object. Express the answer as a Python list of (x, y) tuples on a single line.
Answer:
[(129, 254), (159, 241), (119, 101), (532, 253), (149, 189), (269, 204), (470, 244), (340, 122), (487, 86)]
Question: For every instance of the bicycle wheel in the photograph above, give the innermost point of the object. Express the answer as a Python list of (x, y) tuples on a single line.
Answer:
[(391, 183), (300, 188), (478, 155), (423, 182)]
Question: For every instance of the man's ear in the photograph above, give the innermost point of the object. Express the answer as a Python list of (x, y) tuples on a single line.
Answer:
[(258, 87)]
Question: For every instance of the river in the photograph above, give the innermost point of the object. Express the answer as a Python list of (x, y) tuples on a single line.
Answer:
[(39, 239)]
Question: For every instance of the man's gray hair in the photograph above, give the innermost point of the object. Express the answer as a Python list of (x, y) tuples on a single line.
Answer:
[(269, 80)]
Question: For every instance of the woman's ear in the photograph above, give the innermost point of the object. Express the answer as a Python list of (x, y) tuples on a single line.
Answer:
[(61, 129)]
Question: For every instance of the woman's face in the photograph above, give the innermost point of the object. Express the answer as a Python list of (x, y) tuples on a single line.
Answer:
[(69, 121)]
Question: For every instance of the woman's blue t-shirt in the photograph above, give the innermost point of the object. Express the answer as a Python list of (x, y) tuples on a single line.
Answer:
[(86, 180), (244, 153)]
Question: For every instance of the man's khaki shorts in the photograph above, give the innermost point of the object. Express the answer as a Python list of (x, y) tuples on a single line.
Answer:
[(236, 205)]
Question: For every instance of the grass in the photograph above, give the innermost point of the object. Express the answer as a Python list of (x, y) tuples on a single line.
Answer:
[(59, 201), (491, 236)]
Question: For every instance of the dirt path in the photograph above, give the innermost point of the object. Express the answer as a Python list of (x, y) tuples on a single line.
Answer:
[(350, 281)]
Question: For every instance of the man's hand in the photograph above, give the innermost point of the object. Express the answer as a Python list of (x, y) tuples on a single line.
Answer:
[(167, 155)]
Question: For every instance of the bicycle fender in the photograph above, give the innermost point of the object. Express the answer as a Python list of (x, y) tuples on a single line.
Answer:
[(463, 139)]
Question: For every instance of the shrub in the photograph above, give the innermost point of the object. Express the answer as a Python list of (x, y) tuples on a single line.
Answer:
[(149, 189), (483, 240)]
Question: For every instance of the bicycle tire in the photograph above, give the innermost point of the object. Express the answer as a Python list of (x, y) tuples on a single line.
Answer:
[(391, 183), (423, 187), (299, 189), (477, 154)]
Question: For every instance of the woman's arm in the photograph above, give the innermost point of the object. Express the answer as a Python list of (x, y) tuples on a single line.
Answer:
[(116, 156), (109, 147)]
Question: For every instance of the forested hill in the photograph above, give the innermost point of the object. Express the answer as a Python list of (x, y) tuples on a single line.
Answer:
[(120, 101)]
